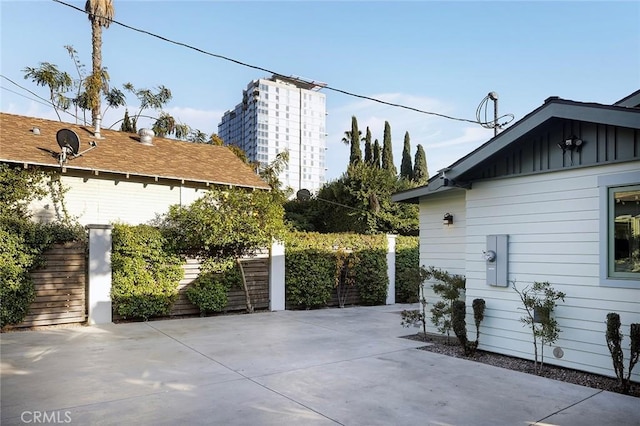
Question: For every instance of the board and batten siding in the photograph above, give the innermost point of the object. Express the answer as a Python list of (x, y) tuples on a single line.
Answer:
[(99, 200), (553, 223)]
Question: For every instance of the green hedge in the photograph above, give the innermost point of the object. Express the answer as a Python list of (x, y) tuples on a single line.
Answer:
[(209, 291), (310, 262), (407, 269), (145, 276), (23, 243)]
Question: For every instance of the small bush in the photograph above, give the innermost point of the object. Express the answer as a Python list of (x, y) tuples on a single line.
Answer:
[(145, 276), (208, 292)]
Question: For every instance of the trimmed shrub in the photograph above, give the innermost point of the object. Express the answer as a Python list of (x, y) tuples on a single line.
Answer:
[(407, 270), (614, 340), (312, 270), (145, 276), (309, 277), (371, 276)]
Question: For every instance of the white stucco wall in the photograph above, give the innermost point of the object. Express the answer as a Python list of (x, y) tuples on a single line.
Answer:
[(103, 201), (553, 223)]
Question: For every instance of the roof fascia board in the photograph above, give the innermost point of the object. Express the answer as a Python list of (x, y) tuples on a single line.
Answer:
[(112, 172)]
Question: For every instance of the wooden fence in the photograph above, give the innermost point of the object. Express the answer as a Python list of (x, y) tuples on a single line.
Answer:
[(60, 287), (256, 271)]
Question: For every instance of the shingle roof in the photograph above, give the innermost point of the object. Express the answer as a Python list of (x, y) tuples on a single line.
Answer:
[(122, 153)]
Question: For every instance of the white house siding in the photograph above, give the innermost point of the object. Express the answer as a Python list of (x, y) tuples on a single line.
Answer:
[(552, 220), (442, 246), (103, 201)]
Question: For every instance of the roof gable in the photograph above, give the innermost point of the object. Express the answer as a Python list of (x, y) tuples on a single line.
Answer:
[(610, 133), (122, 153)]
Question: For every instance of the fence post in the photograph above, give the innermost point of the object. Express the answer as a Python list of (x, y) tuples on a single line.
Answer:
[(99, 290), (391, 269), (276, 277)]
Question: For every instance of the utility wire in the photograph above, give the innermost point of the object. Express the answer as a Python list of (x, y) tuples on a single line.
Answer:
[(41, 100), (255, 67)]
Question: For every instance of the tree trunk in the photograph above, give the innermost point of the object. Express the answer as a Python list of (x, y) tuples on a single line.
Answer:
[(96, 42), (245, 287)]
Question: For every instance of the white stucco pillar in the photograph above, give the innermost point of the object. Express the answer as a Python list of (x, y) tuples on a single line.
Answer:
[(391, 269), (98, 292), (276, 277)]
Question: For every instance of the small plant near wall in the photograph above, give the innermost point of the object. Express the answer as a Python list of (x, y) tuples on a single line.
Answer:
[(416, 317), (448, 287), (539, 301), (614, 339)]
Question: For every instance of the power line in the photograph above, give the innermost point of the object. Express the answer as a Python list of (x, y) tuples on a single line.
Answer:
[(255, 67), (42, 101)]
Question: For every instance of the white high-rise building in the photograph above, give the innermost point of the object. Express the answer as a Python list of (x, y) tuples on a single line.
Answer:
[(282, 113)]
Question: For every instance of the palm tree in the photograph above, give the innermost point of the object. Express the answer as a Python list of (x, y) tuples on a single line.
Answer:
[(100, 14)]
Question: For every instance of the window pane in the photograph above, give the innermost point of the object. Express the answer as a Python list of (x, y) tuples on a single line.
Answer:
[(626, 231)]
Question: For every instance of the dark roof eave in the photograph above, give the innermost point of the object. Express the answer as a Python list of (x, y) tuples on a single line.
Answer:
[(556, 108), (116, 172)]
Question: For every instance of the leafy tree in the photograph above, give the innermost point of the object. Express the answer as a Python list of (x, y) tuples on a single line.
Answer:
[(448, 287), (271, 174), (377, 154), (58, 82), (225, 225), (406, 170), (154, 100), (539, 302), (387, 151), (360, 201), (100, 13), (214, 139), (368, 149), (420, 172)]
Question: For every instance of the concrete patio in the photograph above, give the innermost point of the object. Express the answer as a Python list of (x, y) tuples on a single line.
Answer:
[(330, 366)]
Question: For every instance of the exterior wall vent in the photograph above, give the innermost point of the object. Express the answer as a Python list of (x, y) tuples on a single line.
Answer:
[(146, 136)]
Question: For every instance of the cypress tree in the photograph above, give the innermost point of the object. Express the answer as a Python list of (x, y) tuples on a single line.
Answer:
[(420, 172), (387, 150), (368, 154), (356, 154), (127, 125), (376, 154), (406, 169)]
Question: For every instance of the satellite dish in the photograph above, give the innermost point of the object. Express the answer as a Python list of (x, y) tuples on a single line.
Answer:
[(303, 195), (69, 142)]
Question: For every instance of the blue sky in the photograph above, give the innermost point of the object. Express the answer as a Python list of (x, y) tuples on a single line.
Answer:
[(442, 57)]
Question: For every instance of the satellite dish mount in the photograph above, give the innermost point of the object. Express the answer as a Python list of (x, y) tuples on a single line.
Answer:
[(69, 143)]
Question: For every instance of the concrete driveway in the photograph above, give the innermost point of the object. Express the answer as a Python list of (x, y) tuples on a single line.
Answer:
[(330, 366)]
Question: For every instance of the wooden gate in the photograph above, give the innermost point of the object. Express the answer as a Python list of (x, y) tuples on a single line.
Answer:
[(60, 287)]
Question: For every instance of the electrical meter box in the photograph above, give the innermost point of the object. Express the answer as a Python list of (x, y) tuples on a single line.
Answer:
[(497, 260)]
